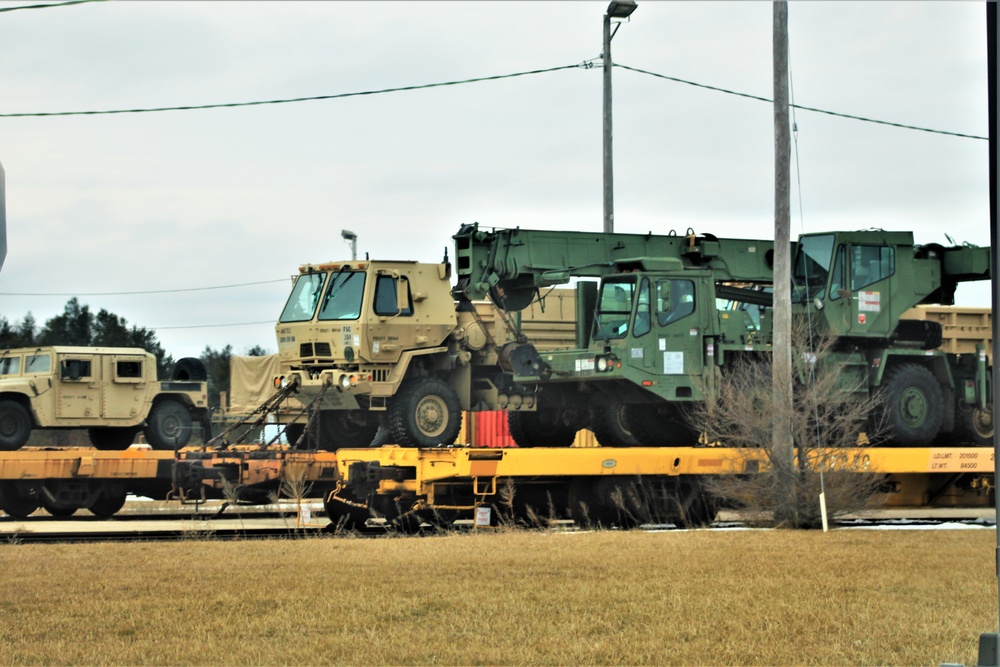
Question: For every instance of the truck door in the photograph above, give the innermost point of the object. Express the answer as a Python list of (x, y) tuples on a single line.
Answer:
[(123, 390), (871, 267), (78, 381), (390, 326), (678, 328)]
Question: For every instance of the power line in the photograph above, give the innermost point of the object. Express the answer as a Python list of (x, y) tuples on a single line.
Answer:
[(162, 291), (212, 326), (799, 106), (46, 6), (227, 105)]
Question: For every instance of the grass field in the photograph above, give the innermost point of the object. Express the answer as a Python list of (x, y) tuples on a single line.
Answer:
[(671, 598)]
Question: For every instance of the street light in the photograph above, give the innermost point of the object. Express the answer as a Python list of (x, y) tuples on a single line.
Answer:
[(618, 9), (351, 238)]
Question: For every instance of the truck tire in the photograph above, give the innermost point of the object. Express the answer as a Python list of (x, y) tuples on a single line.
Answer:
[(544, 428), (15, 425), (168, 425), (659, 426), (425, 413), (609, 425), (189, 369), (111, 438), (293, 432), (914, 405), (347, 428), (979, 425)]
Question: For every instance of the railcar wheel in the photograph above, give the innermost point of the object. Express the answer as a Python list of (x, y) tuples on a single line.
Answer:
[(544, 428), (15, 425), (60, 511), (611, 428), (168, 425), (913, 406), (425, 413), (110, 438), (109, 504), (15, 505)]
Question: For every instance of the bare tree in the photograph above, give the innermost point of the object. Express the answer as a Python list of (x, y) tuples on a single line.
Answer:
[(830, 408)]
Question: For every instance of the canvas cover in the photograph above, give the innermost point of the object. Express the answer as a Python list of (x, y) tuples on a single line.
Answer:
[(251, 382)]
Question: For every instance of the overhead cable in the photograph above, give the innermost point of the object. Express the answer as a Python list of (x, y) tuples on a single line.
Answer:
[(800, 106), (46, 6), (161, 291), (315, 98)]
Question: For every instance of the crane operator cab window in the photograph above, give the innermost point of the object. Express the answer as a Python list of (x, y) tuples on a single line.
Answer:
[(674, 299), (614, 309)]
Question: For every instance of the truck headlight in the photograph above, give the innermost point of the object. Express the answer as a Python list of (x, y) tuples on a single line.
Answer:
[(603, 364), (345, 382)]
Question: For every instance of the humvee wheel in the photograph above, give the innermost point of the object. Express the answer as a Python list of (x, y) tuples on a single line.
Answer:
[(107, 505), (425, 413), (168, 425), (544, 428), (110, 438), (913, 405), (16, 506), (15, 425)]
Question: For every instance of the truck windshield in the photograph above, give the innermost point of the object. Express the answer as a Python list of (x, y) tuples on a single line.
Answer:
[(343, 296), (812, 266), (614, 309), (305, 295)]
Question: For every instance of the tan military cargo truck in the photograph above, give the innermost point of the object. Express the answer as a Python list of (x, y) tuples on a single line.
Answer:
[(112, 392)]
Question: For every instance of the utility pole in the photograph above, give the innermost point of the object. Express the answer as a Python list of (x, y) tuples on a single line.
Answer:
[(781, 375), (618, 9)]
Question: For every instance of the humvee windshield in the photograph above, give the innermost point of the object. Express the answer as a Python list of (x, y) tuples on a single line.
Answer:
[(343, 296), (305, 296), (10, 365)]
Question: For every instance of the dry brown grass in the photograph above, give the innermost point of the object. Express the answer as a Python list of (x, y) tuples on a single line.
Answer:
[(682, 598)]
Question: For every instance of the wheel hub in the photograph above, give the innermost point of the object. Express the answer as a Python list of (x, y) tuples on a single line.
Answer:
[(913, 407), (432, 416)]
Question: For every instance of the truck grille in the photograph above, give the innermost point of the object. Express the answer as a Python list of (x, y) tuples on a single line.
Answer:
[(314, 350), (323, 350)]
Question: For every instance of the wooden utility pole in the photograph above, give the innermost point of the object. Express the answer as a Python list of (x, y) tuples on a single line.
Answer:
[(782, 347)]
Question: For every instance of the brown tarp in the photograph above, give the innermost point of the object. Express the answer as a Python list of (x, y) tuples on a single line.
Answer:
[(251, 382)]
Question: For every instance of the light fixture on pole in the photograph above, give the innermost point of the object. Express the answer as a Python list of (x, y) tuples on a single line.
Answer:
[(618, 9), (351, 238)]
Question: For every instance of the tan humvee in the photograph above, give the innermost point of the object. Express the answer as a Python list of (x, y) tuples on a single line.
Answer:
[(113, 392)]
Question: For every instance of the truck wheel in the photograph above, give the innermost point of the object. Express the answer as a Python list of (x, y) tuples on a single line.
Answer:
[(913, 405), (979, 425), (15, 425), (425, 413), (16, 506), (293, 432), (543, 428), (168, 425), (659, 426), (107, 505), (109, 438), (189, 369), (610, 426), (347, 428)]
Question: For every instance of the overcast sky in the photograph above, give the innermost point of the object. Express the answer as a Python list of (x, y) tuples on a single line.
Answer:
[(194, 199)]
